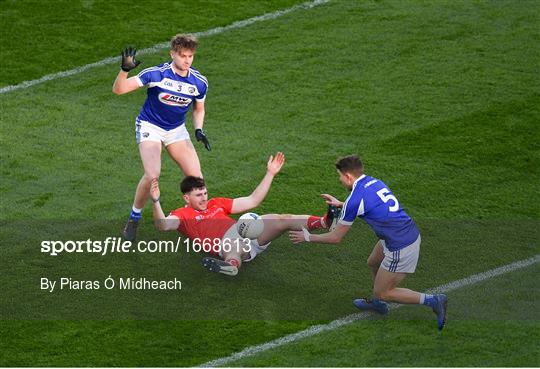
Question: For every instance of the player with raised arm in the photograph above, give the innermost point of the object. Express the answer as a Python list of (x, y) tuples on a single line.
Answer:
[(204, 219), (395, 254), (173, 87)]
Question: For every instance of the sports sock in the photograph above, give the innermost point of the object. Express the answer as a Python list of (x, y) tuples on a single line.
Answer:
[(426, 299), (135, 214), (315, 222), (233, 262)]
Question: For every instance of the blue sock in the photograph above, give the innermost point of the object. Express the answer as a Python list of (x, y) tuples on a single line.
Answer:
[(429, 300), (135, 215)]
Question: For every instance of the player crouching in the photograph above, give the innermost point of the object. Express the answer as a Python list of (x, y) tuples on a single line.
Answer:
[(206, 220)]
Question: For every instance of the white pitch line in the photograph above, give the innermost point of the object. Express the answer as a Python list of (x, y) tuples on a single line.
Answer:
[(210, 32), (316, 329)]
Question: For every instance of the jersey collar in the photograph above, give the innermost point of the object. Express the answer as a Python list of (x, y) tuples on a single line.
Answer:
[(174, 71), (358, 180)]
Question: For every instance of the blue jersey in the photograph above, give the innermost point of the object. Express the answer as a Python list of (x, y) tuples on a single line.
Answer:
[(372, 200), (170, 95)]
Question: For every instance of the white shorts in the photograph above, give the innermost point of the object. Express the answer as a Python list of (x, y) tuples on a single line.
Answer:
[(251, 247), (146, 131), (401, 261)]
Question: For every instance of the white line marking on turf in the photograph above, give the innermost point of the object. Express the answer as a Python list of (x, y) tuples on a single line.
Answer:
[(316, 329), (210, 32)]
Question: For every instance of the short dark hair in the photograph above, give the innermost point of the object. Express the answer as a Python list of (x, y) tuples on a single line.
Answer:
[(191, 183), (182, 41), (350, 164)]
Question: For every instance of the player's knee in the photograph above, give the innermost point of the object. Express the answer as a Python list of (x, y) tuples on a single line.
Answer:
[(284, 221), (278, 220), (372, 263), (149, 175), (194, 173)]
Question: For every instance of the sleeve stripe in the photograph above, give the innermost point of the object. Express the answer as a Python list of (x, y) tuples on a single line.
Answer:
[(196, 73), (201, 79), (350, 208), (342, 214), (152, 69)]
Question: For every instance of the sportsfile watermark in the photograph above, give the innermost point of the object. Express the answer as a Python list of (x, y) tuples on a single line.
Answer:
[(109, 283), (112, 245), (63, 270)]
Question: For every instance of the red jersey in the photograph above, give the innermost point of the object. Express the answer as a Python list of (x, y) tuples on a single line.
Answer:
[(208, 224)]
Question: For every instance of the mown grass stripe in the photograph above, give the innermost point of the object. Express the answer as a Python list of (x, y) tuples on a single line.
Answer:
[(316, 329), (160, 46)]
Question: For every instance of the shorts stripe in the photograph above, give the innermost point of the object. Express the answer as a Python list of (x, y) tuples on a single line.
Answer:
[(396, 260)]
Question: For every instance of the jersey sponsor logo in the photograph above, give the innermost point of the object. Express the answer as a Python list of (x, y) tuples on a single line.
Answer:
[(370, 183), (177, 86), (174, 100)]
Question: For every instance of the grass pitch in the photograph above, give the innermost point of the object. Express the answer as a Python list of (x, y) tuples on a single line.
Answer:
[(441, 100)]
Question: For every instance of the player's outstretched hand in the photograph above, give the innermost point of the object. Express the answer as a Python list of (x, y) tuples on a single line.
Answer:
[(275, 163), (154, 190), (331, 200), (200, 136), (128, 59), (299, 236)]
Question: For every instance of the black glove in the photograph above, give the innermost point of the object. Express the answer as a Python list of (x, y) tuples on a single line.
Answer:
[(199, 134), (128, 59)]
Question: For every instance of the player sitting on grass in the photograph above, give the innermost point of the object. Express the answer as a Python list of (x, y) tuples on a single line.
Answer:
[(395, 254), (206, 220)]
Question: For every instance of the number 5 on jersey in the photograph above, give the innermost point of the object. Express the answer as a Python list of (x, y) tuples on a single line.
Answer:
[(386, 196)]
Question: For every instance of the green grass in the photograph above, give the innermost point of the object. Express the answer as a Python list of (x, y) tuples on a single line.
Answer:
[(411, 344), (45, 37), (131, 343), (441, 99), (479, 333)]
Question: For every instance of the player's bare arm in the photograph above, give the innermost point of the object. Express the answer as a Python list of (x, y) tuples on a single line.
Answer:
[(331, 200), (274, 165), (198, 114), (198, 122), (161, 222), (331, 237), (123, 84)]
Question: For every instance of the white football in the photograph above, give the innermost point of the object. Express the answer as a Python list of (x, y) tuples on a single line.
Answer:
[(250, 225)]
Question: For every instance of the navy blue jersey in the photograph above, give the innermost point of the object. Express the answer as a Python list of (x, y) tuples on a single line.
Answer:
[(170, 95), (372, 200)]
